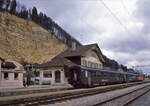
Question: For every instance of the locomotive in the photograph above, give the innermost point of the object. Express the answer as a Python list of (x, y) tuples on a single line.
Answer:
[(88, 77)]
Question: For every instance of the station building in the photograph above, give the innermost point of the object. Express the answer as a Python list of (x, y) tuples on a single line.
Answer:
[(10, 74), (56, 70)]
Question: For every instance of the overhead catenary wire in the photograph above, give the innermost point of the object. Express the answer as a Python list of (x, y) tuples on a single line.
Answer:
[(125, 7), (113, 14), (129, 14)]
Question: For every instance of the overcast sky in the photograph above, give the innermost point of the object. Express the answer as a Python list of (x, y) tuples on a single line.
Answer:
[(120, 27)]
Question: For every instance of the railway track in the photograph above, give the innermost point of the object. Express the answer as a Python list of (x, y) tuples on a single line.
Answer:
[(134, 99), (66, 95), (125, 99)]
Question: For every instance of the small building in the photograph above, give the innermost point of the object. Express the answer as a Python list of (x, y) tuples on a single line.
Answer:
[(55, 71), (10, 75)]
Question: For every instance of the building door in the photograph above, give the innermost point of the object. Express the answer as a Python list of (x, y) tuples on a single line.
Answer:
[(57, 76)]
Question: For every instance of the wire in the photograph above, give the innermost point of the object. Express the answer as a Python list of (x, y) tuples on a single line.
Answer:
[(126, 9), (104, 4), (124, 6)]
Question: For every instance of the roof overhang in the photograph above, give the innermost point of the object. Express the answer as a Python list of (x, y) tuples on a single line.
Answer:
[(13, 71)]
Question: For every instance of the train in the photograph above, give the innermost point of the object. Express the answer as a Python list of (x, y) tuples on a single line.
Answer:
[(81, 76)]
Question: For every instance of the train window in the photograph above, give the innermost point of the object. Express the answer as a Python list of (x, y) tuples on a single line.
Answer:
[(108, 74), (97, 73), (94, 74), (104, 74)]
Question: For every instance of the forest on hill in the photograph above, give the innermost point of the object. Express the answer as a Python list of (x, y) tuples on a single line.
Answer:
[(41, 19)]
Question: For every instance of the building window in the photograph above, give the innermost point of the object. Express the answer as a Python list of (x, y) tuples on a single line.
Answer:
[(16, 76), (6, 76), (37, 73), (47, 74), (92, 65), (100, 66), (89, 63), (96, 65), (84, 63)]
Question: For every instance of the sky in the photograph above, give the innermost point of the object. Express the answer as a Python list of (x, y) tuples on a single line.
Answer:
[(119, 27)]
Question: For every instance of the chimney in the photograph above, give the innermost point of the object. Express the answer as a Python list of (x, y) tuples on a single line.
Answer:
[(73, 46)]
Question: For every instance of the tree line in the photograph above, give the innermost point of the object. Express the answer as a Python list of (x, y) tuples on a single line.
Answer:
[(115, 65), (40, 18)]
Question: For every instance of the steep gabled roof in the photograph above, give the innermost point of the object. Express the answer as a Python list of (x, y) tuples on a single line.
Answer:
[(61, 59), (80, 51)]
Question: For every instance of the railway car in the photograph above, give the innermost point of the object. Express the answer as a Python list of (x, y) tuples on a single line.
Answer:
[(131, 77), (88, 77), (140, 77)]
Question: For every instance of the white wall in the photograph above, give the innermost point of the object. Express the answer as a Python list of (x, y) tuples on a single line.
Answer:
[(91, 56), (63, 79), (11, 82)]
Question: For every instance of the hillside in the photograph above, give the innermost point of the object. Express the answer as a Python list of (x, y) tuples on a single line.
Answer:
[(27, 41)]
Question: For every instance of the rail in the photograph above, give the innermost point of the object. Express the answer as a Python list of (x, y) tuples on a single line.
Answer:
[(67, 95)]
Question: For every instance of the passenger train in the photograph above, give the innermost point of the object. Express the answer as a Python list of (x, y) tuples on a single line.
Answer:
[(88, 77)]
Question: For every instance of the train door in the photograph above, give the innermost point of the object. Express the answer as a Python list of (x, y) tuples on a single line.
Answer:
[(89, 78), (125, 78), (75, 76)]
